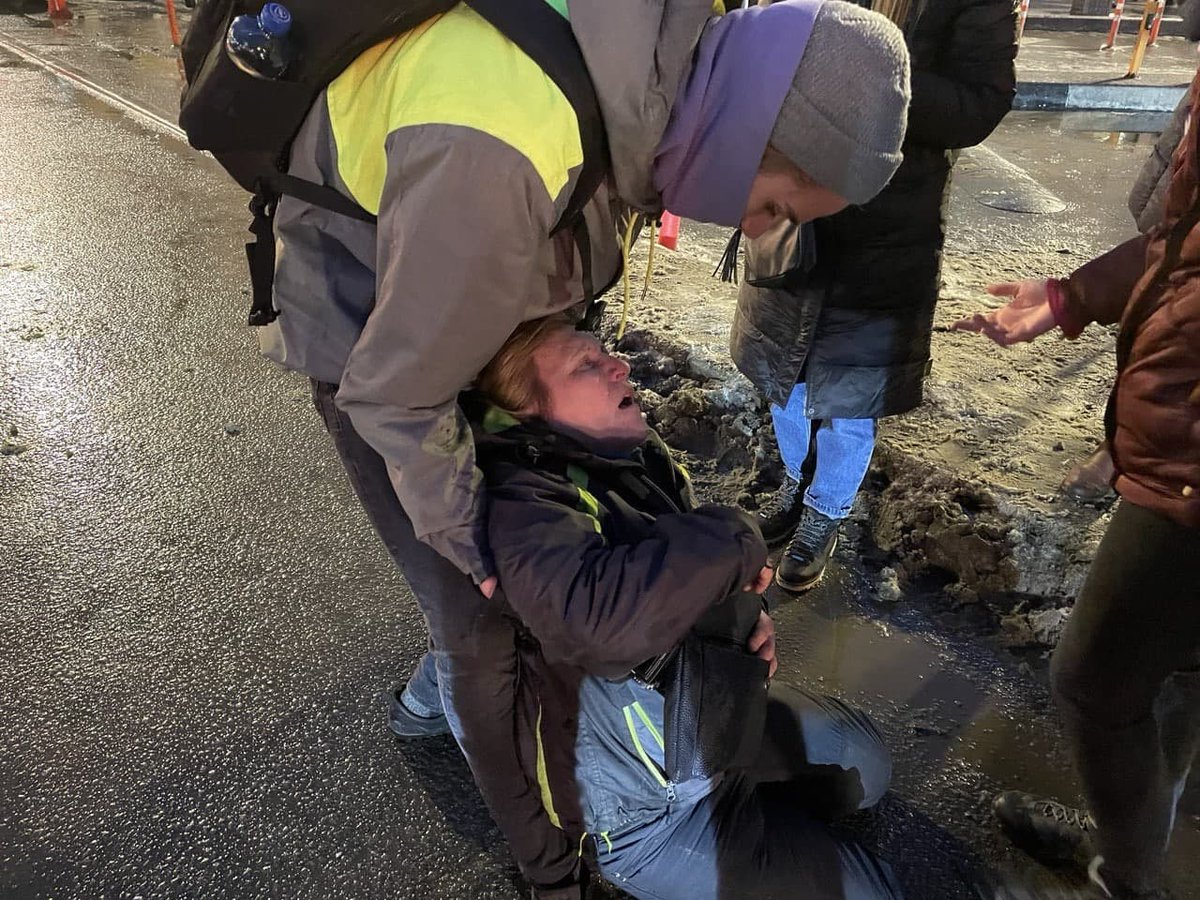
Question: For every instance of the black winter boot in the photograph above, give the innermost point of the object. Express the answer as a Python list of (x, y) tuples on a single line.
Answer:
[(804, 560), (780, 515), (1048, 831)]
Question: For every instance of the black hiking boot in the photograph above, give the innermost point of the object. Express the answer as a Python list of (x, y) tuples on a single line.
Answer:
[(780, 515), (804, 560), (1048, 831)]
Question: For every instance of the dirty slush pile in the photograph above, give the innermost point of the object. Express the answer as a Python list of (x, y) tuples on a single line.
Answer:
[(960, 512)]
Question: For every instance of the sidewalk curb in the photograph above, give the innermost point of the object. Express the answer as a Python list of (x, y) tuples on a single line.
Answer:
[(1171, 27), (1053, 95)]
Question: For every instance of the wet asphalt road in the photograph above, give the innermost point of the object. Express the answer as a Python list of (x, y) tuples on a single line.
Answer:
[(196, 623)]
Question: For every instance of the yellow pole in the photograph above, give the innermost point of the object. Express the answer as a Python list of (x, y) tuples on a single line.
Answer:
[(1143, 38)]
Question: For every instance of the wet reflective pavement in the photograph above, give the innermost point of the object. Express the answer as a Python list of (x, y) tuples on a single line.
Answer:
[(197, 624)]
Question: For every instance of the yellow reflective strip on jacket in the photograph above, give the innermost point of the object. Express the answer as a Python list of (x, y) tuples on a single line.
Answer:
[(637, 708), (637, 744), (543, 779), (587, 500), (496, 420), (455, 69)]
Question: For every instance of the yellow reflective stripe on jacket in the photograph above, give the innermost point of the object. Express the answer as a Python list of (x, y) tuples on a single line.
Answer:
[(587, 500), (637, 708), (455, 69), (641, 751), (543, 778)]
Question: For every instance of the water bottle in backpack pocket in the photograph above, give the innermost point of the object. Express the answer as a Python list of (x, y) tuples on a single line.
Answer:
[(261, 45)]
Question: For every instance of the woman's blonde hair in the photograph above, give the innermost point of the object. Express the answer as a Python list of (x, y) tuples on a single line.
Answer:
[(510, 380)]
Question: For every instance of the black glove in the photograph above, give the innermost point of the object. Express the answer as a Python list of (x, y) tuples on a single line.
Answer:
[(573, 887)]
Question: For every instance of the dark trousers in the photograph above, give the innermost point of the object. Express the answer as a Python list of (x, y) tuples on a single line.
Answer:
[(473, 646), (1126, 677)]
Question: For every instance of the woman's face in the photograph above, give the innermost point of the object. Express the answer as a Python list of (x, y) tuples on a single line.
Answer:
[(587, 392), (777, 195)]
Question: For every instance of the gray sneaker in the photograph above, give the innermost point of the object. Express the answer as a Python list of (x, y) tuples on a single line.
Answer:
[(406, 724)]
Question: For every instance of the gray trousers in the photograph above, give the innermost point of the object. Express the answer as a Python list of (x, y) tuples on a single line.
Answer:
[(762, 834), (1126, 677)]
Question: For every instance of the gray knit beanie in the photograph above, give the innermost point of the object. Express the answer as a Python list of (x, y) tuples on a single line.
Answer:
[(843, 119)]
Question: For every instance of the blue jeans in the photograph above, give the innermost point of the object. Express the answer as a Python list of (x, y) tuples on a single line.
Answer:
[(843, 446), (761, 834), (422, 695)]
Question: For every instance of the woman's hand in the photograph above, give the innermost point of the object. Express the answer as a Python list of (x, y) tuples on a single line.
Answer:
[(762, 582), (762, 641), (1023, 318)]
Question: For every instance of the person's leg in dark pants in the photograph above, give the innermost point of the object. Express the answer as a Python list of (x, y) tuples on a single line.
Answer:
[(742, 842), (1120, 678), (827, 756), (473, 645)]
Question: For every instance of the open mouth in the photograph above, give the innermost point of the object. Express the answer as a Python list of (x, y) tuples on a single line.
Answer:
[(626, 402)]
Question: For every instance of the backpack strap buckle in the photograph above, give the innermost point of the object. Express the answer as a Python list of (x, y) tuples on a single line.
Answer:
[(260, 256)]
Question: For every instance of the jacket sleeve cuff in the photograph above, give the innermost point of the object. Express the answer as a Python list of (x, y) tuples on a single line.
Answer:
[(466, 546), (1060, 307)]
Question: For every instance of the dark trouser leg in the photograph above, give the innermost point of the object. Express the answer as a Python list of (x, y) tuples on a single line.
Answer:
[(828, 756), (1135, 625), (743, 842), (472, 642)]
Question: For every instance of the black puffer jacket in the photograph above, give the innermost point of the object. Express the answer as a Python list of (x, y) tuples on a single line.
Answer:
[(858, 330)]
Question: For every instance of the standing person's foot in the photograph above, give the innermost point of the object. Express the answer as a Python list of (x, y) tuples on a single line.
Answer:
[(780, 515), (807, 554), (1048, 831), (406, 724), (1089, 480)]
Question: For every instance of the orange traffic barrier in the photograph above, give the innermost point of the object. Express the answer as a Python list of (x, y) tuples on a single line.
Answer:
[(173, 21), (1158, 17), (1023, 11), (1118, 7), (668, 236), (1143, 38), (57, 9)]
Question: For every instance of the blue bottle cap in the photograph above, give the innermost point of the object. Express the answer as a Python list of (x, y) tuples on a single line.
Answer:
[(275, 19)]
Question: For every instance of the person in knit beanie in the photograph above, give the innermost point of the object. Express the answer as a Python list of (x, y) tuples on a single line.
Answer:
[(791, 110), (834, 319)]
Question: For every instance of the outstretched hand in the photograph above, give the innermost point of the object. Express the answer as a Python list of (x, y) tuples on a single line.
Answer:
[(1023, 318), (762, 642)]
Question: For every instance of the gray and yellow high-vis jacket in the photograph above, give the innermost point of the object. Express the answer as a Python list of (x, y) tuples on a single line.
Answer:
[(607, 562), (468, 153)]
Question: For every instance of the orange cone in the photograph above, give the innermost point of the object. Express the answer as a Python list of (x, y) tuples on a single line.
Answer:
[(57, 9)]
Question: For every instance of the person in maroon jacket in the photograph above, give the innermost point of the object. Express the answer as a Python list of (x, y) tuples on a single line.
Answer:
[(1126, 675)]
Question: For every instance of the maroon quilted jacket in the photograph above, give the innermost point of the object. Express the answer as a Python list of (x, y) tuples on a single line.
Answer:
[(1151, 285)]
